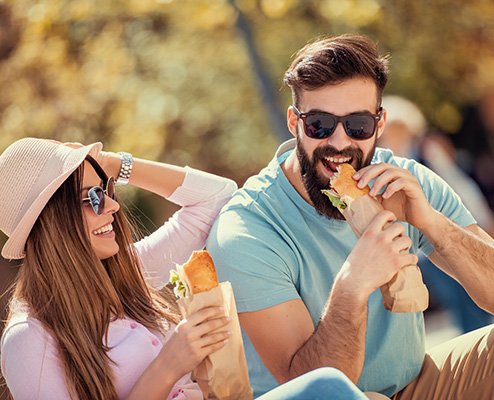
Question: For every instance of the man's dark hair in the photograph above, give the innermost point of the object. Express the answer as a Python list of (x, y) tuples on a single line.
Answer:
[(335, 60)]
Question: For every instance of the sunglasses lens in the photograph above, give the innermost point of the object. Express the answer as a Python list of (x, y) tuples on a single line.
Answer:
[(360, 127), (97, 198), (323, 125), (319, 126)]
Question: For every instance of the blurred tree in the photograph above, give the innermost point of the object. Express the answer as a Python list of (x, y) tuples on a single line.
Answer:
[(173, 79), (199, 82)]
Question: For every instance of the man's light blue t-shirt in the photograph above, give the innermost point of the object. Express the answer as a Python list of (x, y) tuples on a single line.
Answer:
[(274, 247)]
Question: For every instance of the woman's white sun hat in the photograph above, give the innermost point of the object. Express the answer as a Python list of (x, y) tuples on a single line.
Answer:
[(31, 171)]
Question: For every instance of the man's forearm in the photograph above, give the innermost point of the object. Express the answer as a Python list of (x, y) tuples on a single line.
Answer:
[(339, 338), (469, 257)]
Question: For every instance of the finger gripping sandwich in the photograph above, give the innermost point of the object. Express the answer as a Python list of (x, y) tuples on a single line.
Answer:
[(196, 275)]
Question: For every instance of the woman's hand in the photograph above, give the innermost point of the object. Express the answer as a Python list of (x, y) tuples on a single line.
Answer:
[(110, 162), (160, 178), (195, 338)]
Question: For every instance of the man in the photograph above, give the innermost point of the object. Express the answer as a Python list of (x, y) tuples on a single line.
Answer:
[(306, 288)]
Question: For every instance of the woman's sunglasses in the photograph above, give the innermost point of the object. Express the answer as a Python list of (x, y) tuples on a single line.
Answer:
[(321, 125), (96, 196)]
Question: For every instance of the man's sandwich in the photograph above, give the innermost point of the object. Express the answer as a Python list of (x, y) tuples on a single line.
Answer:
[(344, 190), (406, 291)]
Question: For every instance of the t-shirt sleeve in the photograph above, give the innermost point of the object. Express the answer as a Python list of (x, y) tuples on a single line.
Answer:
[(254, 258), (30, 363)]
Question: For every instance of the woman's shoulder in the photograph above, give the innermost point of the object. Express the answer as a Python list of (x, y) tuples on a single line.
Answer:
[(23, 328), (25, 332), (30, 359)]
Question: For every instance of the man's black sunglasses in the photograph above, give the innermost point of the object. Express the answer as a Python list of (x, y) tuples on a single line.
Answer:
[(96, 195), (321, 125)]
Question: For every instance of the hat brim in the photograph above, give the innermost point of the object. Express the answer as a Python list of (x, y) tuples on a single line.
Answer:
[(14, 246)]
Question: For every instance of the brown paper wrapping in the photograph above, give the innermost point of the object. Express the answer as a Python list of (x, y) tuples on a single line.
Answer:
[(223, 374), (405, 292)]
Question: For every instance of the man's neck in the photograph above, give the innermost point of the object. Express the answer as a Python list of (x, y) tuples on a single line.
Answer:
[(291, 169)]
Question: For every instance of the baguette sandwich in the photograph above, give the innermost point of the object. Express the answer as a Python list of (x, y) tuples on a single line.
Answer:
[(344, 190), (195, 276), (223, 374)]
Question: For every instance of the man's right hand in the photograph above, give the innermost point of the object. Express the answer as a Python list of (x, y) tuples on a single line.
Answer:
[(284, 336), (378, 255)]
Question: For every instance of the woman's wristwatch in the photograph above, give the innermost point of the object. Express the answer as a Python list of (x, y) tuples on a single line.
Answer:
[(125, 168)]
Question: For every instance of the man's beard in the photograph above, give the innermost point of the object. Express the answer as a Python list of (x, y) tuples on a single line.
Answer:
[(314, 182)]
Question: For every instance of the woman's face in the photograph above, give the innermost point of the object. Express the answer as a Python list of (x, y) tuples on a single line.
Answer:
[(99, 227)]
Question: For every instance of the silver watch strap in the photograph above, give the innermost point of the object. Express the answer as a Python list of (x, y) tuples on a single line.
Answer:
[(125, 169)]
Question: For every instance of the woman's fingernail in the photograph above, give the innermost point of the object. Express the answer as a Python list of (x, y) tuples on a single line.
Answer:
[(229, 319)]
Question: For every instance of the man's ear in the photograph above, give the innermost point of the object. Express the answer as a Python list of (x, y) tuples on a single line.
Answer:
[(381, 124), (291, 121)]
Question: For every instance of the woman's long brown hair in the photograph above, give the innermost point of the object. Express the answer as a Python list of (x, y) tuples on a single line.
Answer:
[(76, 296)]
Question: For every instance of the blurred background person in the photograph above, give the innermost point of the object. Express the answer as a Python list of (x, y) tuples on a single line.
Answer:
[(475, 143), (406, 134)]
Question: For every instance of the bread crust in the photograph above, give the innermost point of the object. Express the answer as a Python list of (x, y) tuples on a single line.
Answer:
[(343, 183), (200, 272)]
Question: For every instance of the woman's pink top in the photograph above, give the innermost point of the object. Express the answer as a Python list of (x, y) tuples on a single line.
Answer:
[(30, 362)]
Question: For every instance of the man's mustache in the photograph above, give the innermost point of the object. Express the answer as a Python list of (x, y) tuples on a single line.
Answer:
[(330, 151)]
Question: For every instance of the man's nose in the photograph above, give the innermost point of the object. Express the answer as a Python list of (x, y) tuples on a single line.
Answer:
[(339, 139)]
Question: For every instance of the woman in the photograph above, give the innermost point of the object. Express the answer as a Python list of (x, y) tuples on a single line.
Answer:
[(83, 322), (86, 320)]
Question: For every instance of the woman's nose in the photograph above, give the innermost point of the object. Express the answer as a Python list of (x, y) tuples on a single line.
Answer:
[(111, 205)]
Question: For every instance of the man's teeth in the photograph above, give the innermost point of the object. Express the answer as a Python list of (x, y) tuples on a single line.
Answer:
[(105, 229), (338, 160)]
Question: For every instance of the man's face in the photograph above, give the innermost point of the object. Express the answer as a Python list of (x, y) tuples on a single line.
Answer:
[(318, 158)]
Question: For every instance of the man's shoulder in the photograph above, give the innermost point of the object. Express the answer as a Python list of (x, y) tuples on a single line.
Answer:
[(382, 155), (265, 185), (257, 190), (387, 156)]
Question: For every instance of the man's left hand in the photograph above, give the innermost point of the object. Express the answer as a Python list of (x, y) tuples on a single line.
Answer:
[(402, 193)]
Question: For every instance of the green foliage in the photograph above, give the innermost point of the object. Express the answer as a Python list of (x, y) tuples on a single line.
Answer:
[(173, 79)]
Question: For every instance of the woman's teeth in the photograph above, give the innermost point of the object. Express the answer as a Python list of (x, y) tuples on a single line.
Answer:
[(105, 229)]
